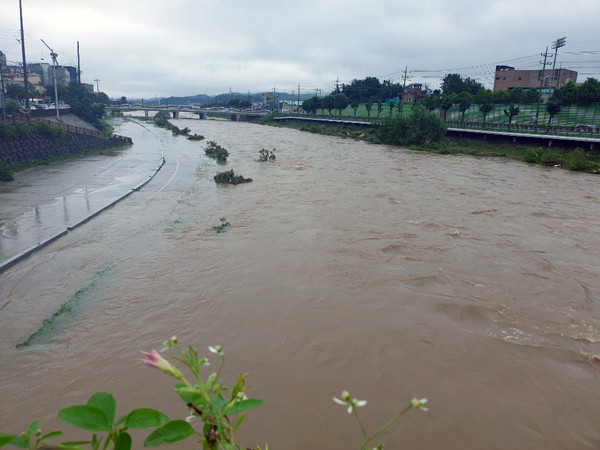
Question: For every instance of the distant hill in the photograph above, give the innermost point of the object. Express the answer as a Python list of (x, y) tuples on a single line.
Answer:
[(202, 99)]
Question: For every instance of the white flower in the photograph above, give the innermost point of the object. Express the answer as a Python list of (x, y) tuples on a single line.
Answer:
[(419, 403), (346, 400), (216, 349)]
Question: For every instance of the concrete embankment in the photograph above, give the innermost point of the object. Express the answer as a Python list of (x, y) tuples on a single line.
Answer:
[(39, 146)]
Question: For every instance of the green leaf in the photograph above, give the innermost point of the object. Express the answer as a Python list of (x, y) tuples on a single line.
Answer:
[(145, 418), (210, 382), (104, 402), (123, 442), (52, 434), (239, 421), (18, 441), (6, 438), (33, 427), (173, 431), (86, 417), (245, 405), (188, 394), (72, 445)]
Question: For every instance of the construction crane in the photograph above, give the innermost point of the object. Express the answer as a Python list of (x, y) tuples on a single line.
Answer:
[(54, 56)]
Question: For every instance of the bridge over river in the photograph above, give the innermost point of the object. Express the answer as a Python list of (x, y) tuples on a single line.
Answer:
[(202, 113)]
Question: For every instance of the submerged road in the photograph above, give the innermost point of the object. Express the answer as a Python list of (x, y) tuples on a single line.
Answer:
[(42, 203)]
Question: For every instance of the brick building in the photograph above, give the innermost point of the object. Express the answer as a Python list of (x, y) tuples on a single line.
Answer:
[(506, 77)]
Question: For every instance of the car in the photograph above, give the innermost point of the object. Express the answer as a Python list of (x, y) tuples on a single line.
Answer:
[(587, 128)]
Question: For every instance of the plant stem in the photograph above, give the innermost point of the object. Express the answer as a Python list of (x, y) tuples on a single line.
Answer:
[(360, 424), (386, 426)]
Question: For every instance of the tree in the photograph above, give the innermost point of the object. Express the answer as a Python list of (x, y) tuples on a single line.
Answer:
[(485, 100), (588, 92), (515, 95), (465, 100), (369, 107), (453, 83), (88, 106), (379, 108), (362, 90), (310, 105), (340, 102), (15, 91), (433, 101), (511, 112), (354, 105), (328, 103), (553, 107), (447, 102), (123, 99)]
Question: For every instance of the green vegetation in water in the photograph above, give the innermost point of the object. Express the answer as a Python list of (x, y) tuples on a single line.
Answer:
[(196, 137), (576, 159), (215, 151), (161, 119), (68, 307), (266, 155), (229, 177), (224, 224)]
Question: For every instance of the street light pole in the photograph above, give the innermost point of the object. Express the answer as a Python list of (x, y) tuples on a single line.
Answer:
[(54, 56), (556, 45)]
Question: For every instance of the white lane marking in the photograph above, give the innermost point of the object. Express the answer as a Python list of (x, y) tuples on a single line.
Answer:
[(170, 179)]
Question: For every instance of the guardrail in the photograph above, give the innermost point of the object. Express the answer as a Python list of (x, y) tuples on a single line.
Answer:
[(582, 131)]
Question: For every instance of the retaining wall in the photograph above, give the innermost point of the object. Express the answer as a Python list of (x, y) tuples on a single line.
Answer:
[(37, 147)]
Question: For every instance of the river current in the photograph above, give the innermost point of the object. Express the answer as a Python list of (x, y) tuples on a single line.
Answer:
[(474, 282)]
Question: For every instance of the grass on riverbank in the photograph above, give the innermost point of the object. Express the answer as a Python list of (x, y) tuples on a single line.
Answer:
[(577, 159)]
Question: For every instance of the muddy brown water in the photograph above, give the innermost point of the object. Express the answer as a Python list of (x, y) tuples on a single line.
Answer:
[(383, 271)]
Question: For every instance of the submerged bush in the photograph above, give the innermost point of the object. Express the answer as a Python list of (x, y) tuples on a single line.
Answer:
[(229, 177), (266, 155), (215, 151), (196, 137)]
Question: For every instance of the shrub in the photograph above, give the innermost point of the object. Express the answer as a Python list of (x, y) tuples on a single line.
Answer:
[(577, 160), (215, 151), (228, 177), (5, 174), (266, 155), (196, 137), (419, 128), (533, 155)]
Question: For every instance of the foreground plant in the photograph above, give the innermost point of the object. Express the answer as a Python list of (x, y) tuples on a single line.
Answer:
[(221, 415), (97, 415), (353, 403)]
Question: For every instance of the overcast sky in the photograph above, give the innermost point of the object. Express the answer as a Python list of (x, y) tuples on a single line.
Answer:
[(149, 48)]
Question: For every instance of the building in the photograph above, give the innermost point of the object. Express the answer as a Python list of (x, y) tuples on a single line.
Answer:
[(506, 78)]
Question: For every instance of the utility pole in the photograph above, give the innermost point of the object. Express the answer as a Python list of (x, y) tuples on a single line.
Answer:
[(54, 56), (25, 79), (298, 98), (537, 112), (401, 106), (98, 85), (560, 42), (337, 85), (78, 65)]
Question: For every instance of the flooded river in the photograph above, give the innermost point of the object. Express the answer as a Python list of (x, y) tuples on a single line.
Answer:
[(387, 272)]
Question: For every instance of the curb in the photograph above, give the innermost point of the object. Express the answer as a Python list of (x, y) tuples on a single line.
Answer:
[(26, 253)]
